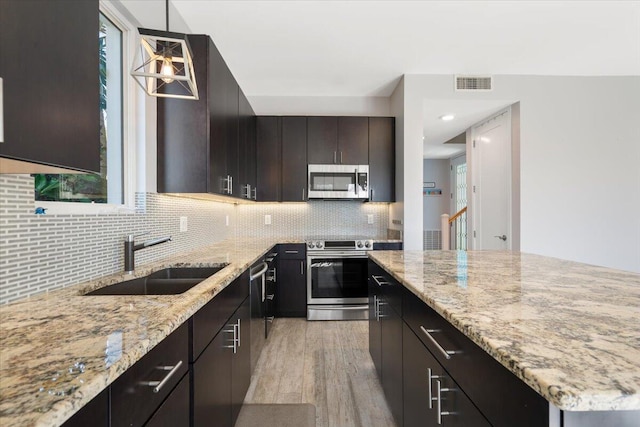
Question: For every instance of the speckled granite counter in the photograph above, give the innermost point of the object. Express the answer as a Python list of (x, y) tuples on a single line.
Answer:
[(59, 350), (571, 331)]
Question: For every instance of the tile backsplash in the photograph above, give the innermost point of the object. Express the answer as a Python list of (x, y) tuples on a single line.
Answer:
[(45, 252), (39, 253), (314, 218)]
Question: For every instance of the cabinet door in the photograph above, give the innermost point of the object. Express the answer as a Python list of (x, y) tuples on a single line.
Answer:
[(241, 360), (322, 140), (353, 141), (391, 344), (294, 159), (231, 125), (268, 154), (183, 136), (382, 159), (217, 104), (375, 349), (419, 370), (94, 413), (174, 411), (212, 382), (246, 148), (291, 289), (49, 65)]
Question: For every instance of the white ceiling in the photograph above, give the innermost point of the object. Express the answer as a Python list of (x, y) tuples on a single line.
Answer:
[(361, 48)]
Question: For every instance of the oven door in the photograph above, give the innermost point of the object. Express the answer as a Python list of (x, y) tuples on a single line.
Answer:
[(337, 277)]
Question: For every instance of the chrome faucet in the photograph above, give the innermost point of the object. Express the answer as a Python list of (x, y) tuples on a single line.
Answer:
[(130, 247)]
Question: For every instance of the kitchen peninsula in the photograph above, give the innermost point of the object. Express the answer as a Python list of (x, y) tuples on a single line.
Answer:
[(567, 330)]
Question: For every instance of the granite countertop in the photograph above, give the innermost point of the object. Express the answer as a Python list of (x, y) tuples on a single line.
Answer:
[(59, 350), (570, 331)]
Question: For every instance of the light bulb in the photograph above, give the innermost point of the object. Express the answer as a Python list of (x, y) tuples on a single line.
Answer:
[(167, 69)]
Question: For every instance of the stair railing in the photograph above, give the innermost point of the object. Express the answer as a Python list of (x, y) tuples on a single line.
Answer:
[(454, 230)]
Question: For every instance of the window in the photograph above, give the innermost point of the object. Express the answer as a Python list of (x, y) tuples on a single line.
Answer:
[(108, 186)]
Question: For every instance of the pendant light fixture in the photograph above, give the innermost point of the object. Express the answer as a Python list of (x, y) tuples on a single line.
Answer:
[(163, 65)]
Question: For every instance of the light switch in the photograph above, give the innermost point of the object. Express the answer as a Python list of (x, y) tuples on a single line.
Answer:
[(369, 218), (267, 220), (183, 224), (226, 220)]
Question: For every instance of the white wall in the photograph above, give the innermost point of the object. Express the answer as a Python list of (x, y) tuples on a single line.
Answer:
[(579, 162), (320, 105), (433, 206)]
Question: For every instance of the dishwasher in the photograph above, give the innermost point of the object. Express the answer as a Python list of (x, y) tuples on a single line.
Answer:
[(261, 301)]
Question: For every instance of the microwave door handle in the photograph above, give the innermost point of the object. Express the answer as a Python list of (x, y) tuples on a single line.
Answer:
[(356, 186)]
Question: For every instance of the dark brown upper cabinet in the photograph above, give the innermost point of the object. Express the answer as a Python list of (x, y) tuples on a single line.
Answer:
[(353, 140), (49, 66), (382, 159), (269, 158), (322, 140), (198, 141), (338, 140), (294, 159), (246, 148)]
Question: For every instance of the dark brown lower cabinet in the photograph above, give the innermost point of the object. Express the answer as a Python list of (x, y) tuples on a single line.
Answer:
[(291, 290), (94, 413), (174, 411), (211, 377), (241, 360), (391, 349), (375, 343), (140, 391), (431, 397), (222, 373)]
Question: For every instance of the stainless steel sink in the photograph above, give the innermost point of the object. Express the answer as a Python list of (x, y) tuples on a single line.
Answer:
[(170, 281)]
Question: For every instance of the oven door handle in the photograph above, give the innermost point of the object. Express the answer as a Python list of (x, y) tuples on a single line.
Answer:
[(339, 255)]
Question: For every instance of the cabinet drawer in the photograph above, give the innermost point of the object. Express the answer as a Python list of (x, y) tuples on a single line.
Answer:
[(174, 412), (142, 388), (387, 246), (292, 251), (502, 397), (206, 323)]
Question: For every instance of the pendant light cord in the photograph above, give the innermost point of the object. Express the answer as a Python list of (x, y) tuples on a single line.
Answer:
[(167, 13)]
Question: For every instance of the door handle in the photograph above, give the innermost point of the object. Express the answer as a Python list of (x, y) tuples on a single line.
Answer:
[(503, 237)]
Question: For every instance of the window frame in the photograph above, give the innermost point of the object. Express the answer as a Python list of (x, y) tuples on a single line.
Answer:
[(131, 109)]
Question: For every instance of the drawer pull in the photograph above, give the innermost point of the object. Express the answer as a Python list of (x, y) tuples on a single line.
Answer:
[(379, 280), (439, 391), (446, 353), (431, 378), (290, 252), (270, 297), (270, 319), (157, 385)]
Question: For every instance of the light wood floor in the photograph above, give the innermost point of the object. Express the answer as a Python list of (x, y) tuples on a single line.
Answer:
[(324, 363)]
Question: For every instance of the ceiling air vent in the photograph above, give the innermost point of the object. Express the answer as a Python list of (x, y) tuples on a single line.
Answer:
[(474, 83)]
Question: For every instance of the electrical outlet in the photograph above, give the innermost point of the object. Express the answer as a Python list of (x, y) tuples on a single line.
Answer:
[(226, 220), (184, 226), (369, 218), (267, 220)]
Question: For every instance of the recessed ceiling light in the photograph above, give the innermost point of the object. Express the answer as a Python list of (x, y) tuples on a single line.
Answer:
[(447, 117)]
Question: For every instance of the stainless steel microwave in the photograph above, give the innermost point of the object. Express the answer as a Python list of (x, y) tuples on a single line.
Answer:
[(338, 182)]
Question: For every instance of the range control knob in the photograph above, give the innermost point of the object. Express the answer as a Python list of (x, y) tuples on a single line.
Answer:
[(359, 244), (319, 245), (367, 244), (311, 244)]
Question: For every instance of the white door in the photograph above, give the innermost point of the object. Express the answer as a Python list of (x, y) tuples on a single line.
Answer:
[(491, 183)]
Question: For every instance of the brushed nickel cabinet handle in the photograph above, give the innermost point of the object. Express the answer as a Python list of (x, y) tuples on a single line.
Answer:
[(379, 280), (439, 390), (446, 353), (157, 385)]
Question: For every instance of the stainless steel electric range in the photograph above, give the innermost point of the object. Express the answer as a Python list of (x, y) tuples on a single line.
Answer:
[(337, 279)]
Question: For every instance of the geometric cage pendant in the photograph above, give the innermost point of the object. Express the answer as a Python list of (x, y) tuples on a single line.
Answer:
[(163, 65)]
